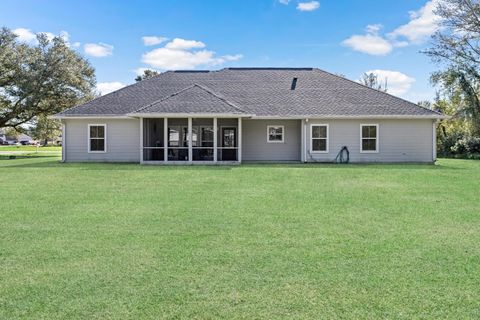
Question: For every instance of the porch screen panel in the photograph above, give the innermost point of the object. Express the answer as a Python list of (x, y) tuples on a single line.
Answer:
[(177, 140), (153, 139), (202, 139)]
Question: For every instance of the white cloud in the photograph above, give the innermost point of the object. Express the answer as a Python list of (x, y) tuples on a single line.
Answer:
[(181, 54), (153, 40), (423, 23), (373, 28), (98, 50), (370, 43), (76, 44), (182, 44), (65, 36), (284, 1), (165, 58), (107, 87), (25, 35), (398, 83), (308, 6)]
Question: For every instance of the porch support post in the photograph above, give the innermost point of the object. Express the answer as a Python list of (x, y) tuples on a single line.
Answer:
[(190, 140), (215, 140), (239, 156), (141, 140), (165, 139)]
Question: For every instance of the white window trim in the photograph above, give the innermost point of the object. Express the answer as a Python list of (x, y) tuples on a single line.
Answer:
[(377, 138), (327, 138), (283, 134), (105, 138)]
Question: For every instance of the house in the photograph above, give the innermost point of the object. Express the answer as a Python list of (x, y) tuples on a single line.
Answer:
[(248, 114), (20, 138)]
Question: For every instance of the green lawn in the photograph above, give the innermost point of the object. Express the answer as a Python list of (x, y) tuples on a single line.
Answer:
[(30, 148), (252, 241)]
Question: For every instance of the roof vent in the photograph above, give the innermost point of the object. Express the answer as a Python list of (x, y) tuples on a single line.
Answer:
[(294, 84)]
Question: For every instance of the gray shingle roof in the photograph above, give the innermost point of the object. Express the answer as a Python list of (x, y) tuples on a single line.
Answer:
[(193, 99), (258, 91)]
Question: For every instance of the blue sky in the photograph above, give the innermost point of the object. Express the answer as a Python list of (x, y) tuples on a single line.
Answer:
[(348, 36)]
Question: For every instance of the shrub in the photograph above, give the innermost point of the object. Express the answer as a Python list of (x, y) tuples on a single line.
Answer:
[(466, 146)]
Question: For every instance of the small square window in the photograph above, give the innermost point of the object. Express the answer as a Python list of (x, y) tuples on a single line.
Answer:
[(275, 133)]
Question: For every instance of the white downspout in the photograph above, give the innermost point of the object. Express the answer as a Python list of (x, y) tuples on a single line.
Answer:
[(434, 140), (141, 140), (64, 142)]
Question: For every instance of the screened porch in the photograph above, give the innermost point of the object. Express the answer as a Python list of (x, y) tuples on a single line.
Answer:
[(190, 140)]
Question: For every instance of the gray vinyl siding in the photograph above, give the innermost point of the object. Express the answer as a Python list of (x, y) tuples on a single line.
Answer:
[(123, 140), (256, 148), (399, 140)]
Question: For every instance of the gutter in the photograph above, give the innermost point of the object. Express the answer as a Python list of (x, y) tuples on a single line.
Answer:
[(252, 116)]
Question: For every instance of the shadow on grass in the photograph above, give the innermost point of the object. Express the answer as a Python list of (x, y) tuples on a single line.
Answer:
[(53, 161), (23, 157)]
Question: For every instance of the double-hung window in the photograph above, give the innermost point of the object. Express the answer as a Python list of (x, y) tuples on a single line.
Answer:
[(275, 134), (97, 138), (369, 138), (319, 135)]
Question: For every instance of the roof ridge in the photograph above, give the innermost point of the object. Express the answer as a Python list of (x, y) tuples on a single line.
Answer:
[(216, 95), (164, 98), (381, 92), (204, 88), (269, 68)]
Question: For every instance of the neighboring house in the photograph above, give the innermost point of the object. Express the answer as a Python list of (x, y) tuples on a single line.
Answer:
[(23, 138), (248, 114), (12, 140)]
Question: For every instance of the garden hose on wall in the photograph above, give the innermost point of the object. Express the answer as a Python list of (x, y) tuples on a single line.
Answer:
[(343, 156)]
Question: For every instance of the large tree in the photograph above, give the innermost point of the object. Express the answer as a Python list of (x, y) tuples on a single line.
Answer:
[(147, 74), (46, 129), (40, 80), (456, 49), (371, 80)]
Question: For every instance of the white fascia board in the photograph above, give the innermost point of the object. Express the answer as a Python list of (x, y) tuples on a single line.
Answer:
[(252, 116), (353, 117), (97, 116), (189, 115)]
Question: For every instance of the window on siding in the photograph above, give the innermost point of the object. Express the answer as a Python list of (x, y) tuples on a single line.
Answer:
[(369, 140), (275, 133), (320, 138), (96, 137)]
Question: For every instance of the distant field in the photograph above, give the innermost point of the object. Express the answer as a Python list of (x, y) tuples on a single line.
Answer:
[(29, 148), (125, 241)]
